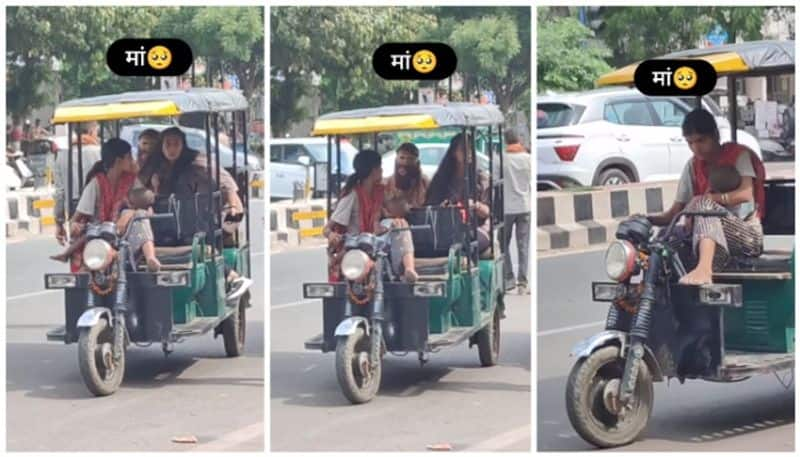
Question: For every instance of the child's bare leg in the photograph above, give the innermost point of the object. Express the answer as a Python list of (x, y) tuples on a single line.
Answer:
[(149, 252), (409, 269), (71, 249)]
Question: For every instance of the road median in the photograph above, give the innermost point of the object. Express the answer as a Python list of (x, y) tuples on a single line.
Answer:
[(573, 220)]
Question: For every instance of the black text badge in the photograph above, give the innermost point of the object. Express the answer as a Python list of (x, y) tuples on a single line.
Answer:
[(432, 61), (675, 77), (149, 57)]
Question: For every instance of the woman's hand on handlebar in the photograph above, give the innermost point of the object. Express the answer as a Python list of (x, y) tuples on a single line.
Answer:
[(334, 238)]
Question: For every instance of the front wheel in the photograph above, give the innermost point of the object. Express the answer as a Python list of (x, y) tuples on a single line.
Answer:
[(233, 330), (591, 395), (101, 374), (489, 341), (358, 381)]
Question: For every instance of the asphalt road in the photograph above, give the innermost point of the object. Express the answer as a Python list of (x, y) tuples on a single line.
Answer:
[(754, 415), (195, 391), (449, 400)]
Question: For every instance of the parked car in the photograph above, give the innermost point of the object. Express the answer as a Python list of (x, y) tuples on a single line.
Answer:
[(196, 139), (615, 136), (289, 158)]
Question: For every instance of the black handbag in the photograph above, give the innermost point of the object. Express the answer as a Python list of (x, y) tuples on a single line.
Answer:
[(446, 229)]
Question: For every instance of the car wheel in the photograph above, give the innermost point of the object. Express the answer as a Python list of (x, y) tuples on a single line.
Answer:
[(613, 177)]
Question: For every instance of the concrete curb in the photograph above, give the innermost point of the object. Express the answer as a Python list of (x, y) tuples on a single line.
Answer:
[(29, 210), (285, 229), (577, 220)]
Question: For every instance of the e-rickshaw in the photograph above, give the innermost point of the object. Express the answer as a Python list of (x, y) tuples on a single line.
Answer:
[(117, 301), (459, 294), (740, 326)]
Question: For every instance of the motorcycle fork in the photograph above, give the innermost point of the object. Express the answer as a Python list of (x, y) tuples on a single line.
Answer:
[(376, 338), (120, 304), (640, 330)]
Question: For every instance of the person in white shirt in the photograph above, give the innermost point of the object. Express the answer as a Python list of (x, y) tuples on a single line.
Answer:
[(517, 205)]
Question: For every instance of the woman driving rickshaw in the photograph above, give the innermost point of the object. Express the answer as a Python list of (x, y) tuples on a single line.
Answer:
[(451, 287), (191, 239), (731, 316)]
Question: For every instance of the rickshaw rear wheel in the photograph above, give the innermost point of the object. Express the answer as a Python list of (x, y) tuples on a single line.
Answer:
[(352, 358), (233, 330), (489, 341), (586, 406), (95, 353)]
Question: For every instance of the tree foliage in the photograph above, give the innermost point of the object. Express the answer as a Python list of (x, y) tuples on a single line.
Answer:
[(65, 46), (569, 58)]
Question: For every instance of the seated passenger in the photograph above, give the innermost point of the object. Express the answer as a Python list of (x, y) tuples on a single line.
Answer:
[(359, 210), (106, 198), (407, 180), (175, 168), (447, 187), (713, 242)]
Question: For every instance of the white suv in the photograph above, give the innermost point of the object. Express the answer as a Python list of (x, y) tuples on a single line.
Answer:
[(614, 136), (289, 158)]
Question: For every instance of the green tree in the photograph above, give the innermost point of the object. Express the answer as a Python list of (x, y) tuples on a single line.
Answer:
[(569, 58), (229, 39), (66, 46), (496, 50), (333, 48), (638, 33)]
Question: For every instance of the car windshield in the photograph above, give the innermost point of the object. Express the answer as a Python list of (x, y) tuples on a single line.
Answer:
[(319, 152), (432, 155), (557, 114)]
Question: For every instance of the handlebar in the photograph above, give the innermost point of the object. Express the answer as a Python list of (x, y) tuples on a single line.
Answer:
[(690, 213)]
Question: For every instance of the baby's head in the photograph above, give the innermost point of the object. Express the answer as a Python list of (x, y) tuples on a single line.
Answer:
[(140, 198), (724, 179), (397, 206)]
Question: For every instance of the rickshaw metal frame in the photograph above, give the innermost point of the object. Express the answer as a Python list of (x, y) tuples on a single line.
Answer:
[(194, 102), (402, 291)]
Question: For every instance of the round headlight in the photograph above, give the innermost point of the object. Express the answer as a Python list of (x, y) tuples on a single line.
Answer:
[(354, 264), (620, 260), (97, 254)]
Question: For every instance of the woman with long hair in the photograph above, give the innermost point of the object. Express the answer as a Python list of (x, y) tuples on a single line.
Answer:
[(447, 186), (359, 210), (106, 198)]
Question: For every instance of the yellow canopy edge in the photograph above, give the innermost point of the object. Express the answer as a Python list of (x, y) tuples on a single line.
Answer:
[(723, 63), (374, 124), (115, 111)]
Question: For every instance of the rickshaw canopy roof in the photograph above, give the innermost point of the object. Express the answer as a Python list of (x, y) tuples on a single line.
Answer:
[(407, 117), (754, 58), (154, 103)]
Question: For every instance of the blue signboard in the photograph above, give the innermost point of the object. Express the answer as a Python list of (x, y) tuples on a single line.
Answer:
[(718, 36)]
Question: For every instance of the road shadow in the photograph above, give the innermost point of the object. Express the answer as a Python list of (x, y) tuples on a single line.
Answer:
[(309, 379), (50, 370), (723, 414)]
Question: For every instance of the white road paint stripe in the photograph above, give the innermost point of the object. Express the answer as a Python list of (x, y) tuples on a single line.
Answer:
[(502, 441), (51, 291), (31, 294), (294, 303), (232, 439), (568, 329), (565, 252)]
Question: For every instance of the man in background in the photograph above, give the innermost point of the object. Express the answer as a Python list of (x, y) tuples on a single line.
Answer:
[(517, 204)]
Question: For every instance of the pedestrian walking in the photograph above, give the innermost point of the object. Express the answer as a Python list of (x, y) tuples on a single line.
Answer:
[(517, 204)]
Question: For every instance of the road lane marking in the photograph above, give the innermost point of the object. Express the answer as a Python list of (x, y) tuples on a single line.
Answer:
[(294, 303), (503, 440), (51, 291), (31, 294), (568, 329), (563, 253), (233, 439)]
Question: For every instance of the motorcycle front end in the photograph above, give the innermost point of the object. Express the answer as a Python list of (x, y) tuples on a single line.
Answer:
[(609, 393), (102, 337), (359, 337)]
